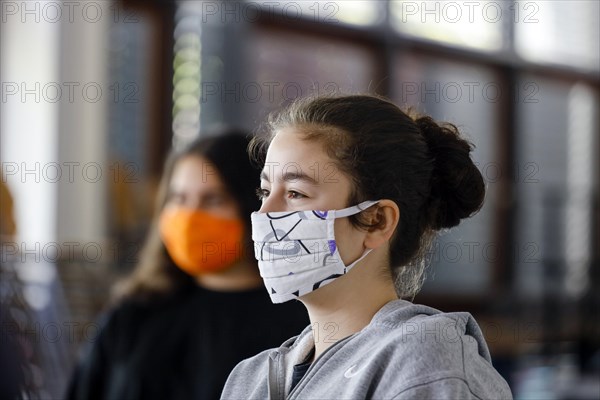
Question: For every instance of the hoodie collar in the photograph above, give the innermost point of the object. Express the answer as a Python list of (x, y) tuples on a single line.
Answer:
[(283, 359)]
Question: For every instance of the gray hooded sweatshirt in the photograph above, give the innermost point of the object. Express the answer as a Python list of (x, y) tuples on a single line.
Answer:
[(407, 351)]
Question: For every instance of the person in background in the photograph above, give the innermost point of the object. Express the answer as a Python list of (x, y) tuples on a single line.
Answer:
[(195, 305), (369, 189), (19, 371), (33, 345)]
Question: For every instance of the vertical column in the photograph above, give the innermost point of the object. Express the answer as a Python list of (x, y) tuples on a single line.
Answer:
[(29, 109), (82, 129)]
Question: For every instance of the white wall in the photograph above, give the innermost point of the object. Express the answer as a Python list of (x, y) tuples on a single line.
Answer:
[(49, 134)]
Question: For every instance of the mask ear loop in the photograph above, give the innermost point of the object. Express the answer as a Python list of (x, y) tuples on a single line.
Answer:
[(346, 212), (365, 253)]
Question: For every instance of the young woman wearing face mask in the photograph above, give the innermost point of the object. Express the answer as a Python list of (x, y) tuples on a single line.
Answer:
[(195, 305), (353, 192)]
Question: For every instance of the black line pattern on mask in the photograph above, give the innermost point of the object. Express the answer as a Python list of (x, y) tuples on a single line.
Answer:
[(283, 216), (318, 284), (303, 246), (284, 236), (316, 214), (274, 232)]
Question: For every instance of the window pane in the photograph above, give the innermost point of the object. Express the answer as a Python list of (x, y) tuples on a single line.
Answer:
[(288, 65), (462, 260), (561, 32), (478, 25), (349, 12), (555, 155), (130, 52), (187, 72)]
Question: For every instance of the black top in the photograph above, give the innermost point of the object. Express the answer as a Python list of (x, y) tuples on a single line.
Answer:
[(183, 347), (301, 369)]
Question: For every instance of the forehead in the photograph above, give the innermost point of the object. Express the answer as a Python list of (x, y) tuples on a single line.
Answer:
[(194, 173), (294, 159), (290, 148)]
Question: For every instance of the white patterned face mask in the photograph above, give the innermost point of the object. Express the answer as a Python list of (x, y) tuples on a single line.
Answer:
[(297, 252)]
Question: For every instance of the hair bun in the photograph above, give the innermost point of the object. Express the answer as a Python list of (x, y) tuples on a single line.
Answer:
[(457, 187)]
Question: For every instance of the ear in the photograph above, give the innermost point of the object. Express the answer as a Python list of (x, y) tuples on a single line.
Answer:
[(385, 218)]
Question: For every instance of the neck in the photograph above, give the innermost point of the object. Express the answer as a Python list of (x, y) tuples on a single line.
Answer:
[(347, 305), (243, 275)]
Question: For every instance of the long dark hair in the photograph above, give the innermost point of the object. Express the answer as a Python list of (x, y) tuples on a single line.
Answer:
[(156, 274)]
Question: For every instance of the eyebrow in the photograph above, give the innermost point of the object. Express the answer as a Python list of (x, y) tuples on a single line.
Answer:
[(291, 176)]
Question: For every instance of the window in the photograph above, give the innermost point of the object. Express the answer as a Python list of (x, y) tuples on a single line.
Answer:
[(558, 32), (479, 25), (463, 259)]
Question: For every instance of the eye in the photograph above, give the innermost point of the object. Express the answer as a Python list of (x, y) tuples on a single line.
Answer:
[(214, 200), (176, 198), (262, 193), (292, 194)]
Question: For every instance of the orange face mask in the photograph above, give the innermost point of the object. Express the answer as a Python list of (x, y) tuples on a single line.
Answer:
[(199, 242)]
